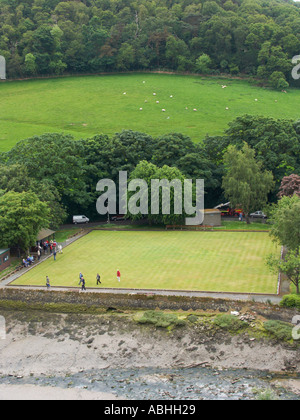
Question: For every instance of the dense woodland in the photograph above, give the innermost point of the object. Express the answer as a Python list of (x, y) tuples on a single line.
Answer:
[(51, 37)]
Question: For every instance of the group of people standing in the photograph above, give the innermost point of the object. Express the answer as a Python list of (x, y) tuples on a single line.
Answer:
[(51, 246), (46, 246)]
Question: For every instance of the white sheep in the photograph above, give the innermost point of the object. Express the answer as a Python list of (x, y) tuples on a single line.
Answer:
[(163, 110)]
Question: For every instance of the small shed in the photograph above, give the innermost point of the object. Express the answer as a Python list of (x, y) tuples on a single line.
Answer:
[(212, 217), (4, 259), (45, 235)]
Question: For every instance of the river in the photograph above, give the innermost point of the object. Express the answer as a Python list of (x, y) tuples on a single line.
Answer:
[(168, 384)]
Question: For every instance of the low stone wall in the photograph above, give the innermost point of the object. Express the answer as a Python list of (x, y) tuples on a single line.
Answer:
[(34, 298)]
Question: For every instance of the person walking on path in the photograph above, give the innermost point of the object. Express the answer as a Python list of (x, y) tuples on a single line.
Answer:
[(80, 278), (39, 254), (98, 279), (83, 284), (119, 276), (48, 282)]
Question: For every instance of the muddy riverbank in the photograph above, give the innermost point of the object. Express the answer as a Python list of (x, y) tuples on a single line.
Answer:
[(114, 356)]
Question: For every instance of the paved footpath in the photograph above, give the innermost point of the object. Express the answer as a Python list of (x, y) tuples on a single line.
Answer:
[(275, 299)]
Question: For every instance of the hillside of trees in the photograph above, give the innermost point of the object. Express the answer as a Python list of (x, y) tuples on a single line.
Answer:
[(51, 37)]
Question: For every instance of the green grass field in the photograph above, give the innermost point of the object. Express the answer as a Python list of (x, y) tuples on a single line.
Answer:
[(211, 261), (89, 105)]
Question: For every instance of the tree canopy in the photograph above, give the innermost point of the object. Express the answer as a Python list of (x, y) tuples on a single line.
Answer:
[(285, 218), (285, 230), (56, 159), (253, 37), (63, 172), (22, 216), (154, 205), (245, 183), (289, 186)]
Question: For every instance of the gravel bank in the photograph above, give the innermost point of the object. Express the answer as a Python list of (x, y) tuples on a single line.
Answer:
[(101, 357)]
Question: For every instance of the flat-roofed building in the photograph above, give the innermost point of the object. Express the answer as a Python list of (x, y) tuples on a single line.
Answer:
[(4, 259), (212, 217)]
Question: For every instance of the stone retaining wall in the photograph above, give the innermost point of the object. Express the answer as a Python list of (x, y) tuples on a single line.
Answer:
[(31, 298)]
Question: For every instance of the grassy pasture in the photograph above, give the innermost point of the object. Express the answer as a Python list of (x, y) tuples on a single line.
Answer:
[(211, 261), (89, 105)]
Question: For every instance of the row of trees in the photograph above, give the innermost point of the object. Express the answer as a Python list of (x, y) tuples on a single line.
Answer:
[(246, 166), (255, 37)]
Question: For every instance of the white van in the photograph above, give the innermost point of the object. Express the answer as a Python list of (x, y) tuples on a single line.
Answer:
[(80, 219)]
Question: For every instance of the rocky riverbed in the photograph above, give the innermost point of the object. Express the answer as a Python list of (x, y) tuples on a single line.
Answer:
[(111, 356)]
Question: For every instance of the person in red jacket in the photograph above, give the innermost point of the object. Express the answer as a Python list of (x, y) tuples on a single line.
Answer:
[(118, 276)]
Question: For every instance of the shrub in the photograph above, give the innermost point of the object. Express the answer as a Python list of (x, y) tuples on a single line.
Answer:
[(203, 64), (265, 394), (160, 319), (280, 330), (278, 80), (192, 318), (229, 322), (290, 301)]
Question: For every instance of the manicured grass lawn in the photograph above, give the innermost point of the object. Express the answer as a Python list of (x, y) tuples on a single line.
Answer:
[(86, 106), (211, 261), (228, 225), (63, 235)]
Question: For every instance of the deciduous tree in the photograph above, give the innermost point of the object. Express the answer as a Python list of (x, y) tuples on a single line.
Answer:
[(22, 216), (285, 230), (245, 183)]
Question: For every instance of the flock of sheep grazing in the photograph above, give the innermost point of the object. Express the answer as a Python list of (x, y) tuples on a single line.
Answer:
[(171, 96), (157, 102)]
